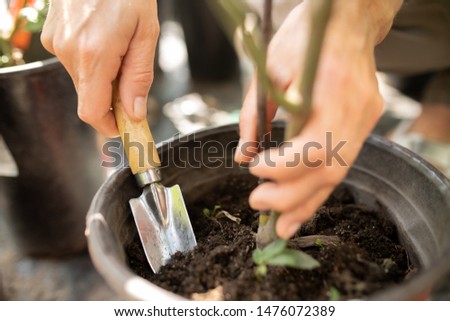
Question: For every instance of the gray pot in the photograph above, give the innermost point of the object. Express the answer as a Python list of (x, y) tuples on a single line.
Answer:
[(57, 159), (416, 195)]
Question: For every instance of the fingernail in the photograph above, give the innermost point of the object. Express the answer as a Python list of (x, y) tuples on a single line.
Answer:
[(140, 108)]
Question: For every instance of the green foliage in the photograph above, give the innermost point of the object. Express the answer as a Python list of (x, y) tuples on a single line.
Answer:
[(31, 18), (319, 243), (277, 254), (334, 294), (388, 264), (34, 17), (211, 213)]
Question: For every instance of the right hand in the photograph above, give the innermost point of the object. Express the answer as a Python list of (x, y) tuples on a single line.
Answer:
[(346, 104), (94, 40)]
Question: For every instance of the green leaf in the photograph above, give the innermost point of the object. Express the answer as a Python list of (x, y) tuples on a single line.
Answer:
[(214, 211), (206, 212), (272, 249), (295, 259), (34, 27), (319, 243), (388, 264), (261, 270), (258, 256), (334, 294)]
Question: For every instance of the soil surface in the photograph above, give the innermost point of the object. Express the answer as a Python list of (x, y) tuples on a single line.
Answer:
[(359, 252)]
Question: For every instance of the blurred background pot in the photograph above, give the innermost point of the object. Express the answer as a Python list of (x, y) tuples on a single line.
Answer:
[(211, 55), (45, 202), (416, 195)]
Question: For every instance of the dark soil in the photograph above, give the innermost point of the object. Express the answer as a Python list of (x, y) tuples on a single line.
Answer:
[(364, 257)]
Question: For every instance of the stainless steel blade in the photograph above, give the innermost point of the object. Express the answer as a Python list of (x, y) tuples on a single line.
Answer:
[(163, 223)]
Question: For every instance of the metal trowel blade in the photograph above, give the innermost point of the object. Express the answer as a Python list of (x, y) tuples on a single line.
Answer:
[(163, 223)]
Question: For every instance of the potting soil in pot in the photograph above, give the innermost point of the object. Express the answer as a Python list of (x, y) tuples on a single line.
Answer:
[(358, 250)]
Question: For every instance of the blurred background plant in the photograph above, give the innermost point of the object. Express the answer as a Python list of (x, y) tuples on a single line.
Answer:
[(19, 19)]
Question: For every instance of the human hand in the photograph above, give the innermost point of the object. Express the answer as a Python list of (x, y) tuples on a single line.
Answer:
[(96, 39), (346, 105)]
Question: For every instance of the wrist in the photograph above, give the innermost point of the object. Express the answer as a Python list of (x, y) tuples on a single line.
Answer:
[(370, 20)]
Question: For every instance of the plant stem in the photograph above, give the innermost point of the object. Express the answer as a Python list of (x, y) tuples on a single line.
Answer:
[(262, 124), (321, 10), (267, 219), (310, 241), (232, 15)]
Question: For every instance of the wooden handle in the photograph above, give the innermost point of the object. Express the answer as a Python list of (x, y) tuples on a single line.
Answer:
[(136, 137)]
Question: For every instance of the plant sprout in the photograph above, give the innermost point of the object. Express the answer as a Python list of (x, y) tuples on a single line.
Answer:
[(277, 254), (217, 213), (334, 294), (319, 243), (211, 213), (236, 17), (17, 21)]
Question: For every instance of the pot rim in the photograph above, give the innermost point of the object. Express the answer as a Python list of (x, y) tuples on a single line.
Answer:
[(118, 271), (30, 68)]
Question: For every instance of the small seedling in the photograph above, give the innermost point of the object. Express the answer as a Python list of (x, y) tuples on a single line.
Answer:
[(211, 213), (388, 264), (277, 254), (319, 243), (217, 213), (334, 294)]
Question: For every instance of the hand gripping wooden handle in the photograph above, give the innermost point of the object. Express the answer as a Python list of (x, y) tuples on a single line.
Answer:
[(136, 137)]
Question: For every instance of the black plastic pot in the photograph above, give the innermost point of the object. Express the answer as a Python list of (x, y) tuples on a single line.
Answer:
[(57, 158), (416, 195), (211, 55)]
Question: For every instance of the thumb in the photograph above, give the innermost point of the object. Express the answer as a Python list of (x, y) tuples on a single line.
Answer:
[(137, 70)]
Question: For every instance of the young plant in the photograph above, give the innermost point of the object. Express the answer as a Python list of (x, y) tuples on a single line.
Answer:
[(334, 294), (217, 213), (277, 254), (297, 101), (18, 21), (319, 243), (211, 213)]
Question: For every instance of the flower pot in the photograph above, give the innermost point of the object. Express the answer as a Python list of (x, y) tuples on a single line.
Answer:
[(56, 155), (211, 55), (416, 195)]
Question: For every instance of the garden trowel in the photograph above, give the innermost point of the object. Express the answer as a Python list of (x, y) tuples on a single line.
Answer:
[(160, 213)]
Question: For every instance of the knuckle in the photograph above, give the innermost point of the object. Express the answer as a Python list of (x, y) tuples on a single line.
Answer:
[(378, 105), (87, 50), (47, 40), (156, 28), (143, 78), (86, 115)]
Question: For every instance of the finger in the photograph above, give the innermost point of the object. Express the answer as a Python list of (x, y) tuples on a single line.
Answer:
[(248, 145), (137, 69), (288, 223), (318, 146), (95, 90), (290, 161), (94, 103), (286, 196)]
